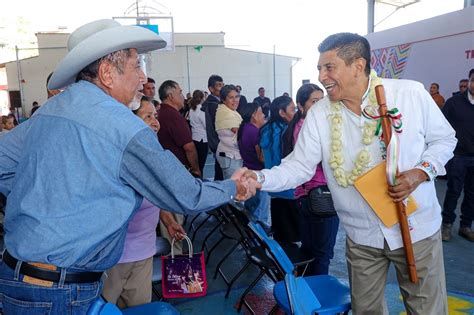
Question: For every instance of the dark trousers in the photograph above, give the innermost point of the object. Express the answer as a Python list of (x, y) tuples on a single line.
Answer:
[(202, 149), (460, 176), (285, 216), (218, 175), (318, 236)]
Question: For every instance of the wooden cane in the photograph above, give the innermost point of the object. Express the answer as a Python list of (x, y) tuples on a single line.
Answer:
[(401, 211)]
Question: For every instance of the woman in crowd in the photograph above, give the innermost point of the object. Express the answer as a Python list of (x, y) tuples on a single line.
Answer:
[(227, 124), (318, 229), (129, 282), (283, 208), (248, 139), (197, 120)]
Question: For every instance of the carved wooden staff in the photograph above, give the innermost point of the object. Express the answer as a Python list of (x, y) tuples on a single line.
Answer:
[(401, 211)]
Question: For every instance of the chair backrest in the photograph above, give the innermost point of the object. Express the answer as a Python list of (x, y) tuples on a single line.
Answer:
[(301, 297), (102, 307), (277, 252), (240, 221)]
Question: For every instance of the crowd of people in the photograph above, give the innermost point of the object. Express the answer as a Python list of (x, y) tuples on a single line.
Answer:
[(136, 163)]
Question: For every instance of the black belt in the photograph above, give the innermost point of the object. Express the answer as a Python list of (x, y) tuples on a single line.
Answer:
[(50, 275)]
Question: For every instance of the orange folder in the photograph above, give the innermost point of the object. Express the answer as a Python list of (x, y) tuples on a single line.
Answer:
[(373, 187)]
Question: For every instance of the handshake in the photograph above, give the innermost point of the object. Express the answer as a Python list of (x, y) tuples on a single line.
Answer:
[(246, 182)]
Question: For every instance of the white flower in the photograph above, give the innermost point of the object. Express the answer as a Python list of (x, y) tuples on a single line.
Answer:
[(336, 134), (368, 135), (367, 140), (364, 157)]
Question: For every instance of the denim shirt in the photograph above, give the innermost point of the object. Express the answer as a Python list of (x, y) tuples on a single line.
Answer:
[(75, 173)]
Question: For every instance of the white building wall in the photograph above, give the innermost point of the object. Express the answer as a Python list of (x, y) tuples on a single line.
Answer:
[(215, 39), (441, 49), (247, 68), (36, 69)]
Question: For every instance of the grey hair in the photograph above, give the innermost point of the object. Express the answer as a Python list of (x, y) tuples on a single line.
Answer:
[(117, 58)]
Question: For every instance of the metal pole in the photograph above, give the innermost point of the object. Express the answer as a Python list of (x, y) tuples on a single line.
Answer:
[(370, 16), (20, 85), (187, 61), (274, 73), (291, 75)]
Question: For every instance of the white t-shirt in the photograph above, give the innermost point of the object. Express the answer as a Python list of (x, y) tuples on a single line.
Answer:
[(197, 118)]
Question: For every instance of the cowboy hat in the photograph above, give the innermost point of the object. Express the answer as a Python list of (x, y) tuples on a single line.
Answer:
[(97, 39)]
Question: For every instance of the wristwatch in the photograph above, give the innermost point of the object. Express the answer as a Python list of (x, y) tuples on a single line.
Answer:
[(260, 177)]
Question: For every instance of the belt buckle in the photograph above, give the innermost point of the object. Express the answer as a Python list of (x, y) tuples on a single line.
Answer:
[(40, 282)]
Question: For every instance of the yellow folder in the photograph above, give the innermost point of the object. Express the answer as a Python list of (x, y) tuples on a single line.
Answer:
[(373, 187)]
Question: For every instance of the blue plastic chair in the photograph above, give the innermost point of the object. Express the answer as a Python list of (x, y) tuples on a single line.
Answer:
[(101, 307), (321, 294)]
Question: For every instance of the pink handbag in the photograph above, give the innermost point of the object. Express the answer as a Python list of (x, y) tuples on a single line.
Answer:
[(183, 276)]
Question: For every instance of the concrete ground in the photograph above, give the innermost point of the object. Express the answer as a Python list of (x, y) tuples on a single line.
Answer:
[(458, 258)]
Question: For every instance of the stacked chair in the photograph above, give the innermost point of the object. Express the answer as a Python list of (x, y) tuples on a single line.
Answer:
[(321, 294), (259, 257), (214, 213)]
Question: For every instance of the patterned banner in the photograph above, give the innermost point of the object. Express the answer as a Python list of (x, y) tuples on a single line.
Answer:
[(390, 62)]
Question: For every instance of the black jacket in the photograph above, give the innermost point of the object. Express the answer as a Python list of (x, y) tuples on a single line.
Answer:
[(460, 114), (210, 107)]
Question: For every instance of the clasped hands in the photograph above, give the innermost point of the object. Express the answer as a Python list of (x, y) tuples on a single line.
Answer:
[(246, 182)]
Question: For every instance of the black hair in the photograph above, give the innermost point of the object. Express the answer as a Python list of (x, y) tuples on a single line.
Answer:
[(143, 99), (226, 90), (213, 79), (198, 95), (261, 88), (150, 80), (246, 112), (435, 84), (48, 78), (305, 91), (349, 47), (165, 89), (275, 120), (302, 96), (471, 72)]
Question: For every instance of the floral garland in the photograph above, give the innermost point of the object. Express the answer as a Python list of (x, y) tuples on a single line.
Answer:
[(336, 159)]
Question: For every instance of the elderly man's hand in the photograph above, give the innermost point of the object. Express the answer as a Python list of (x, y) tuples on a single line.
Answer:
[(407, 182), (246, 186), (251, 174)]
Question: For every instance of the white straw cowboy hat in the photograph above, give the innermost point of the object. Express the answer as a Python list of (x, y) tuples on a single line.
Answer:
[(97, 39)]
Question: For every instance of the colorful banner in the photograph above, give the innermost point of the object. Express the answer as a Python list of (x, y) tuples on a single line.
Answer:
[(390, 62)]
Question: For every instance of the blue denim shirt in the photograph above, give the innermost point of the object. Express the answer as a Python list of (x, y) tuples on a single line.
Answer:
[(77, 170)]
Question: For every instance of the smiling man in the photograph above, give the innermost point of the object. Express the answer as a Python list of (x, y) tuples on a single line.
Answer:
[(336, 133), (76, 172)]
